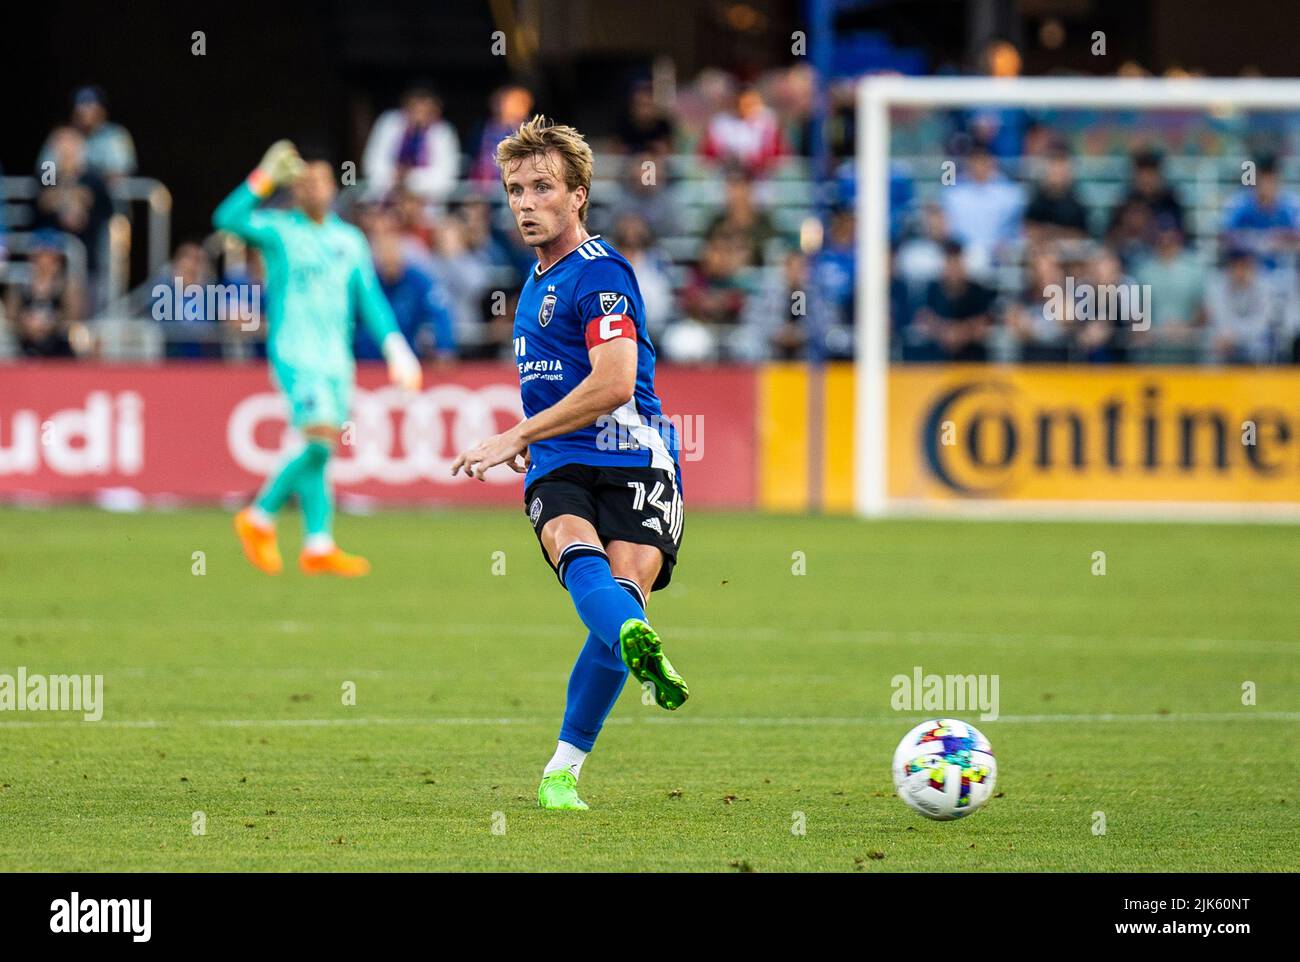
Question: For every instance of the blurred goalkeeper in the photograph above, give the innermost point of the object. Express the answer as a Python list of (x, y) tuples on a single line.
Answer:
[(318, 273)]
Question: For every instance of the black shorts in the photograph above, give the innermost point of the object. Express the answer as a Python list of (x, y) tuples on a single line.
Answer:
[(638, 504)]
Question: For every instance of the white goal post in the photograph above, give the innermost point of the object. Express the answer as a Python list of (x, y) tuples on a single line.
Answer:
[(876, 95)]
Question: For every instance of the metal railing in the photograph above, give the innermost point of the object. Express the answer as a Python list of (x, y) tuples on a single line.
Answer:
[(20, 195), (125, 328), (18, 271)]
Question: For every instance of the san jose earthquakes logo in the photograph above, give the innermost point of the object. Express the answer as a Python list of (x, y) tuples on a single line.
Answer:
[(535, 511), (547, 310), (609, 301)]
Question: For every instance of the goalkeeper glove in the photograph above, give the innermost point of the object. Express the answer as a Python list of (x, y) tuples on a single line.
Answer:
[(280, 164), (403, 368)]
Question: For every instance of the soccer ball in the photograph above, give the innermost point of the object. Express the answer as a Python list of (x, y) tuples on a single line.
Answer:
[(944, 769)]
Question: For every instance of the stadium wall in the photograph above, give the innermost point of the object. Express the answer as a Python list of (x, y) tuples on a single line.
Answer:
[(1149, 440), (1118, 441), (131, 436)]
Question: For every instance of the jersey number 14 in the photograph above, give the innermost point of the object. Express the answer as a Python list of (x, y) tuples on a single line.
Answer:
[(655, 498)]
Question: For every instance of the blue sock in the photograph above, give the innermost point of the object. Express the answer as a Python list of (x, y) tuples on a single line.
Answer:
[(602, 605), (594, 686)]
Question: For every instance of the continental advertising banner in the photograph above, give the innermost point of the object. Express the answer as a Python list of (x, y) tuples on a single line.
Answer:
[(1116, 434)]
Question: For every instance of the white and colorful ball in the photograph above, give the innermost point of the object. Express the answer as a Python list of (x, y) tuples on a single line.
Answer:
[(944, 769)]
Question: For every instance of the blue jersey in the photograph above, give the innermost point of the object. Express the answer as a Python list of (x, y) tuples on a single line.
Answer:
[(587, 297)]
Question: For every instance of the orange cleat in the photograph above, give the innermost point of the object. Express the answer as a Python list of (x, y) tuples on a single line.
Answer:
[(259, 544), (334, 562)]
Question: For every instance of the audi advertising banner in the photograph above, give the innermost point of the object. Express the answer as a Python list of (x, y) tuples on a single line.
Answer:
[(209, 433)]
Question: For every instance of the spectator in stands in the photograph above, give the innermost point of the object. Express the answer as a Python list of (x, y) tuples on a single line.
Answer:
[(919, 259), (1174, 278), (902, 309), (181, 303), (490, 244), (712, 302), (642, 192), (246, 281), (957, 314), (902, 193), (634, 241), (420, 304), (983, 208), (1263, 218), (793, 94), (1242, 311), (74, 199), (715, 293), (741, 216), (1150, 189), (415, 147), (109, 149), (496, 310), (711, 92), (748, 134), (467, 277), (1041, 324), (43, 308), (1055, 212), (1001, 129), (834, 269), (367, 215), (777, 317), (1131, 232), (417, 227), (1103, 339), (644, 128), (511, 105)]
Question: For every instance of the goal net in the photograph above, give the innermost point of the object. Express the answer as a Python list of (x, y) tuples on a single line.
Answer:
[(1082, 299)]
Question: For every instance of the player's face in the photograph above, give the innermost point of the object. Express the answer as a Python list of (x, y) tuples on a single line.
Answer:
[(543, 206), (314, 189)]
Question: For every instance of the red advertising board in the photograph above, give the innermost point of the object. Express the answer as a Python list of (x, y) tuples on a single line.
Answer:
[(205, 432)]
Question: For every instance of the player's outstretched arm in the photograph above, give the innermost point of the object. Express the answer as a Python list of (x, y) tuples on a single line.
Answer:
[(377, 315), (237, 213), (608, 387)]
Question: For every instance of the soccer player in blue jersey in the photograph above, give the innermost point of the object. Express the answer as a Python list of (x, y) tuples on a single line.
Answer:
[(602, 485)]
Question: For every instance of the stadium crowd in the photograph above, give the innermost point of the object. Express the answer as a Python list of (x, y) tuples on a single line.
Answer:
[(741, 251)]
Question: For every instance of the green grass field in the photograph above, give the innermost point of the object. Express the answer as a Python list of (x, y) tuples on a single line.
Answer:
[(1119, 694)]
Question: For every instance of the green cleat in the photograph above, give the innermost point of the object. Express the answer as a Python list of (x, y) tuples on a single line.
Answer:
[(559, 791), (643, 654)]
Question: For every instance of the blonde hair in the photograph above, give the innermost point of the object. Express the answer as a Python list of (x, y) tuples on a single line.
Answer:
[(539, 136)]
